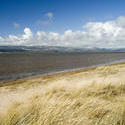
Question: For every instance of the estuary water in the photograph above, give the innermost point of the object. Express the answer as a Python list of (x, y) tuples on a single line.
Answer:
[(19, 65)]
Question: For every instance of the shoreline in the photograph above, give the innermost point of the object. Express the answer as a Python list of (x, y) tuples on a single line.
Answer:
[(63, 72), (96, 89)]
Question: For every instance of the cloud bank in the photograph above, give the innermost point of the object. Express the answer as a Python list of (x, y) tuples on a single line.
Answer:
[(109, 34)]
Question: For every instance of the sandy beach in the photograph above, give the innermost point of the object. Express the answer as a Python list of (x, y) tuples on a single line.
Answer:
[(91, 96)]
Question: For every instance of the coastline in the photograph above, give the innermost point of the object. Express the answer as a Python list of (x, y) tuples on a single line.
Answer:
[(53, 73), (102, 88)]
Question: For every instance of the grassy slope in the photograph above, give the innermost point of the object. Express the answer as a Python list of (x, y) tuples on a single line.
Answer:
[(91, 97)]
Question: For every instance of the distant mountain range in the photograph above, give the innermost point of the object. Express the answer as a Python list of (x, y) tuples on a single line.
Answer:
[(55, 49)]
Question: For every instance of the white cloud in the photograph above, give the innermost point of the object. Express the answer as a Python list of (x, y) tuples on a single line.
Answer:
[(27, 34), (16, 25), (19, 39), (49, 15), (47, 21), (109, 34)]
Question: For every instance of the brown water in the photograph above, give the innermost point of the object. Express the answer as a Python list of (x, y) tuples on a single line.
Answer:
[(18, 65)]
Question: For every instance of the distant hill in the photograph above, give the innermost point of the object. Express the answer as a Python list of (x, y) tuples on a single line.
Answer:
[(55, 49)]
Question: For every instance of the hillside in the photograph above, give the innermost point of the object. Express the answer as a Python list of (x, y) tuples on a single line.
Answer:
[(56, 49)]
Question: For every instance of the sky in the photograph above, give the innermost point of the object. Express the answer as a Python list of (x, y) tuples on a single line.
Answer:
[(70, 23)]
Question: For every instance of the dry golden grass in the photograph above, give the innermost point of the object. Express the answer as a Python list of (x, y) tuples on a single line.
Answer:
[(66, 99)]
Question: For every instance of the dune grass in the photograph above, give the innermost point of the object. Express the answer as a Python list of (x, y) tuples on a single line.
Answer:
[(89, 104)]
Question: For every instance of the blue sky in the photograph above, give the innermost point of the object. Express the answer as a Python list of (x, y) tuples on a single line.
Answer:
[(67, 14), (78, 23)]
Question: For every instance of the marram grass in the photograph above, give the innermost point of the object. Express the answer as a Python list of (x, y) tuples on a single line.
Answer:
[(89, 105)]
